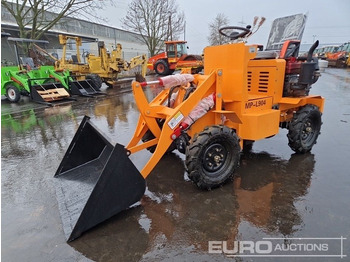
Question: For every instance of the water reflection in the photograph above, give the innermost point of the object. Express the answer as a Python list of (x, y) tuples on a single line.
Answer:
[(269, 188), (175, 214), (112, 108), (22, 132), (119, 103)]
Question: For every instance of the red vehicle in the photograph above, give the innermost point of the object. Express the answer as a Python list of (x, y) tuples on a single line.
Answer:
[(175, 57)]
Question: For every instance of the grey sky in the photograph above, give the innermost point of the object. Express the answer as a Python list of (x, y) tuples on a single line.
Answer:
[(328, 20)]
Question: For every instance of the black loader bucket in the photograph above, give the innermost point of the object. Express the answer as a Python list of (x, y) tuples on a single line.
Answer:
[(48, 93), (84, 88), (94, 181)]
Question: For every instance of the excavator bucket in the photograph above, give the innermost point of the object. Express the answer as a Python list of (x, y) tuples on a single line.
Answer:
[(94, 181), (139, 77), (84, 88)]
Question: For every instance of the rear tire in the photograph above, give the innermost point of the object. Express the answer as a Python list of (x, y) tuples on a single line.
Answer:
[(213, 156), (13, 94), (162, 68), (149, 136), (96, 79), (304, 129)]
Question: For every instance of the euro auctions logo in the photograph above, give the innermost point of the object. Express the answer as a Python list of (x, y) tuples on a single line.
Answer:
[(241, 247), (280, 247)]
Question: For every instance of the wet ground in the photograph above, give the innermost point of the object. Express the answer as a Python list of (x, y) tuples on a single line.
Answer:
[(275, 194)]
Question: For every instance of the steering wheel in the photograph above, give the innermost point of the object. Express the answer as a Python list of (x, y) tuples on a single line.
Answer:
[(234, 34)]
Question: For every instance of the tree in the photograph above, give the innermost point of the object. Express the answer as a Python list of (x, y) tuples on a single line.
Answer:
[(215, 38), (155, 21), (35, 17)]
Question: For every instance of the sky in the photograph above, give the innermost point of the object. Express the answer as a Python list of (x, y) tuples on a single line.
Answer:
[(328, 20)]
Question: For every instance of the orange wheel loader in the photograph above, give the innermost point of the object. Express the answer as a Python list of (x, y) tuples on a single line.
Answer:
[(244, 95)]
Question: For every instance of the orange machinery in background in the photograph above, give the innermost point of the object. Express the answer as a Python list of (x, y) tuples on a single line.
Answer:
[(175, 57)]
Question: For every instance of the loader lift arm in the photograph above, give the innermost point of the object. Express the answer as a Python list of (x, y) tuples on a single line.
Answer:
[(150, 112)]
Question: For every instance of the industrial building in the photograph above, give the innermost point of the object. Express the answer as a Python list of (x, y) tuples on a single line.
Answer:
[(90, 32)]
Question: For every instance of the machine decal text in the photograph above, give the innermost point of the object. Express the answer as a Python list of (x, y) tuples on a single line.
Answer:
[(255, 103)]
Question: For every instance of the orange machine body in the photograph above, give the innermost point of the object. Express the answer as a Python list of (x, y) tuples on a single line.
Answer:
[(248, 99)]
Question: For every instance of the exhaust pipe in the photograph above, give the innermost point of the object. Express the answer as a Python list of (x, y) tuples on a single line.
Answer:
[(311, 51)]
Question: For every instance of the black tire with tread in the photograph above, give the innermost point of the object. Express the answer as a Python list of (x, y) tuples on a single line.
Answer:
[(149, 136), (164, 64), (198, 150), (304, 129), (96, 79), (13, 94)]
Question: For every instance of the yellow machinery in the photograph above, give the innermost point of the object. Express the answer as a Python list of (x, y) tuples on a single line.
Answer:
[(102, 68), (244, 95)]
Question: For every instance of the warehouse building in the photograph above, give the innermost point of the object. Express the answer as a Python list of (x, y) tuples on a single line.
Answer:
[(89, 32)]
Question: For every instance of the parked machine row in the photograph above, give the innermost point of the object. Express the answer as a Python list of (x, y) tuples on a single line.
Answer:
[(42, 83), (47, 84), (335, 55)]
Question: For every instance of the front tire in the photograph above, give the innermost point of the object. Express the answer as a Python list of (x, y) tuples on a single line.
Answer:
[(304, 129), (213, 156), (13, 94)]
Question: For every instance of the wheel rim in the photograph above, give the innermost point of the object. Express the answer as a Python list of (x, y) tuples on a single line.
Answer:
[(214, 157), (11, 94), (308, 132), (160, 68)]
